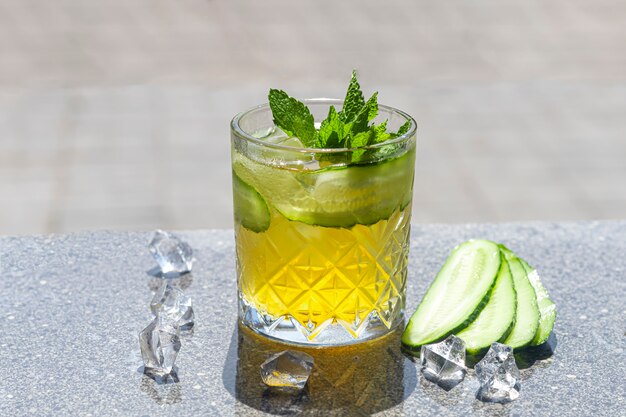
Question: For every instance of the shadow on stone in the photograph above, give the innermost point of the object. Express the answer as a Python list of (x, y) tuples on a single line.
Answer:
[(360, 379), (492, 409), (435, 392), (527, 357), (163, 390), (155, 271), (286, 403), (446, 385), (472, 360), (171, 378)]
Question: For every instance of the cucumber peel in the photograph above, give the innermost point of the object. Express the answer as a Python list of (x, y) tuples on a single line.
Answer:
[(457, 295), (547, 308), (497, 319), (251, 210), (527, 316)]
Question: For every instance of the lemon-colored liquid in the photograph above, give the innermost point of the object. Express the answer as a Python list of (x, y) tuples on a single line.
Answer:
[(322, 276)]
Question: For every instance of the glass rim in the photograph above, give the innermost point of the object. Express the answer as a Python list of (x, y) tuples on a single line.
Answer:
[(234, 125)]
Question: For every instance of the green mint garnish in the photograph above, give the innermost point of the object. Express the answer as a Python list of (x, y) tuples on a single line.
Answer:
[(348, 128), (332, 133), (403, 129), (293, 117), (354, 100), (366, 114)]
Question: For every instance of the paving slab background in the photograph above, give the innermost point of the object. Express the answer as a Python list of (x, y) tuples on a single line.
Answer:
[(115, 114)]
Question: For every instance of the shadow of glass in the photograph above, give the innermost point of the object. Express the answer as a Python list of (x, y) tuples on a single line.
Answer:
[(360, 379)]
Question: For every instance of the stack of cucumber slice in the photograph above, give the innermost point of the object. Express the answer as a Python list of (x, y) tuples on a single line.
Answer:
[(483, 293)]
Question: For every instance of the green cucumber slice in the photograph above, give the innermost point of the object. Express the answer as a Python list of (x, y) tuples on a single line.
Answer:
[(527, 312), (457, 295), (333, 197), (497, 319), (251, 211), (547, 308)]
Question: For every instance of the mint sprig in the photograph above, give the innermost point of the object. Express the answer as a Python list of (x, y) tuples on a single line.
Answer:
[(348, 128)]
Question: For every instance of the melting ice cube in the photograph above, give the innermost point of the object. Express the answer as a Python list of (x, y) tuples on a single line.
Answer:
[(171, 303), (287, 369), (160, 344), (444, 363), (174, 256), (498, 375)]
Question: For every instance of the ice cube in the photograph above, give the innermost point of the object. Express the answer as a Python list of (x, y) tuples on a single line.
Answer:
[(171, 303), (292, 142), (266, 133), (444, 363), (174, 256), (498, 375), (287, 369), (160, 344), (287, 403)]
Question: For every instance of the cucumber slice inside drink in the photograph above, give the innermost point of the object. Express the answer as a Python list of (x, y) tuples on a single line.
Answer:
[(336, 196), (457, 295), (251, 210), (497, 319)]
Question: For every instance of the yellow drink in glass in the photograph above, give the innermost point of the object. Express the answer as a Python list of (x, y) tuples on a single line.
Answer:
[(322, 244)]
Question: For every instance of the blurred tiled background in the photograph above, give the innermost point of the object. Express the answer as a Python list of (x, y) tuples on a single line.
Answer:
[(114, 114)]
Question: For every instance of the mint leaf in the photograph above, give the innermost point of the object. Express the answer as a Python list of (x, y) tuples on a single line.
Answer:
[(379, 133), (375, 134), (403, 129), (360, 139), (367, 112), (354, 100), (293, 117), (331, 134), (359, 154), (339, 130)]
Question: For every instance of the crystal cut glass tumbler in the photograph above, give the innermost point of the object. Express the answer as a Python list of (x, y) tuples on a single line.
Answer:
[(322, 235)]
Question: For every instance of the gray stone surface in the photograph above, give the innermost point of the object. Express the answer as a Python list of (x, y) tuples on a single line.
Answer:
[(73, 305), (114, 114)]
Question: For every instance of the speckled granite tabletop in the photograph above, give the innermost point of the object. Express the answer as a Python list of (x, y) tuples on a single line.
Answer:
[(71, 307)]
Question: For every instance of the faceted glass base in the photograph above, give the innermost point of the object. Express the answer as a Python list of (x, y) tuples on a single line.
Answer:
[(317, 285), (288, 330)]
